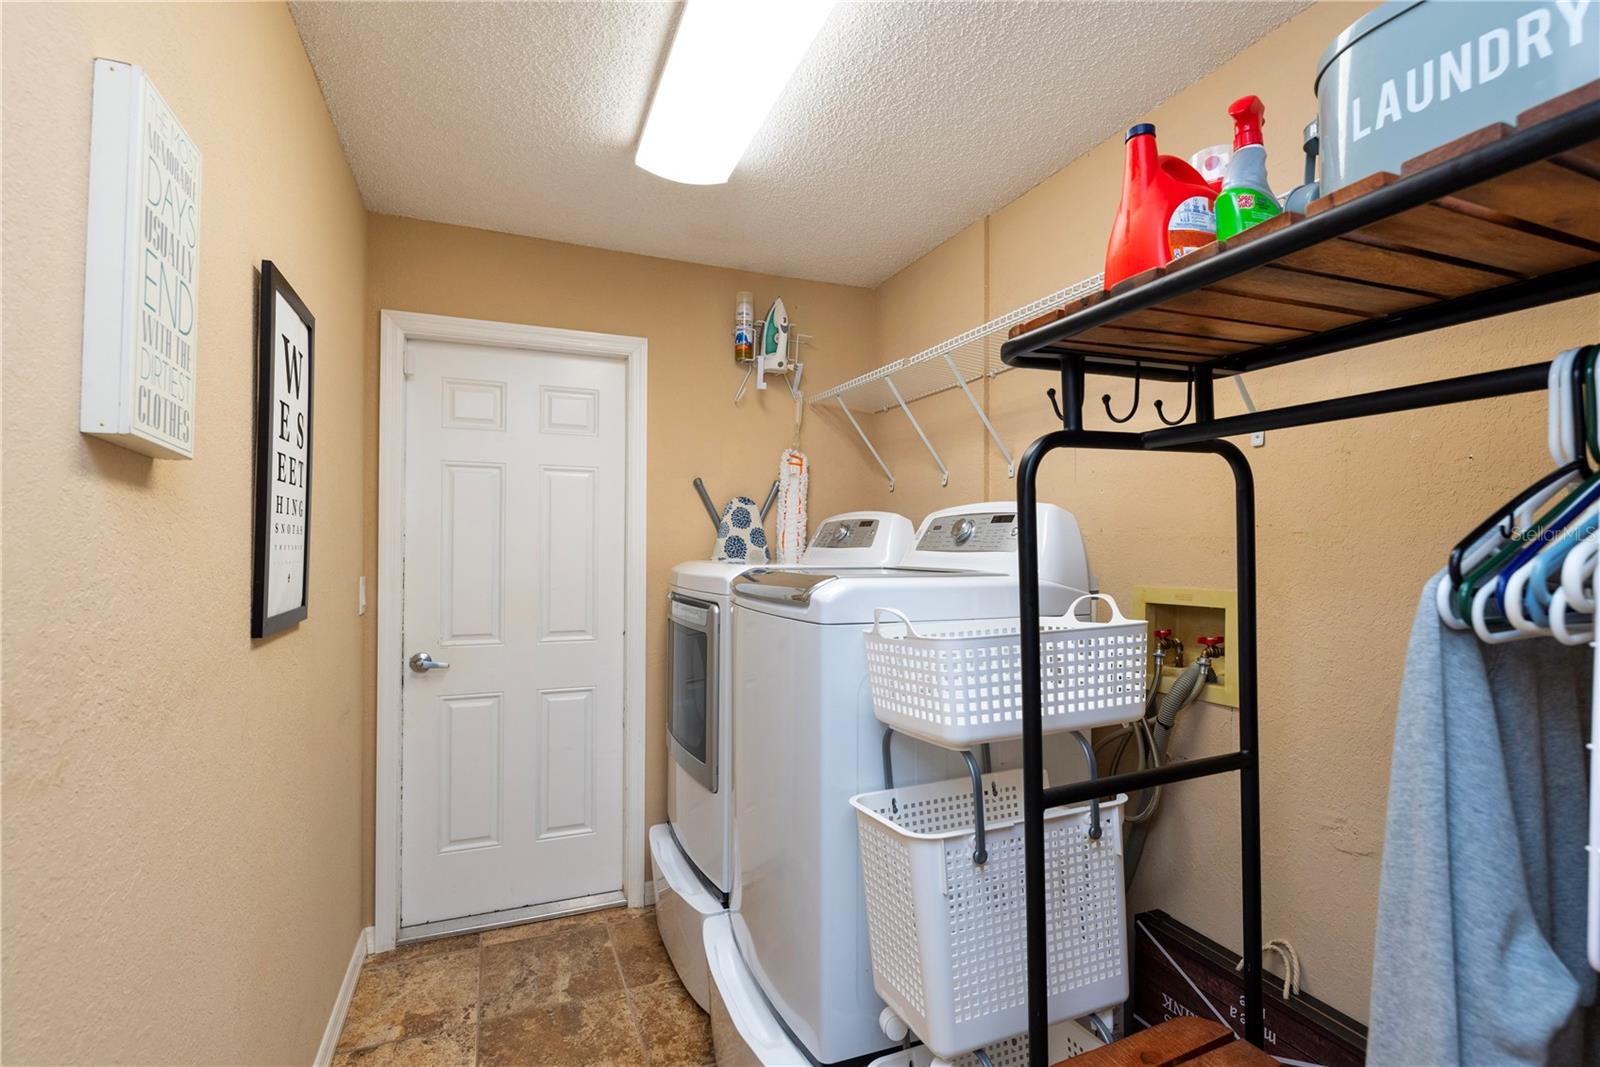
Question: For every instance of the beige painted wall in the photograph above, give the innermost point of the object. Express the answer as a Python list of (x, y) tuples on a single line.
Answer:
[(686, 313), (182, 824), (187, 815), (1352, 518)]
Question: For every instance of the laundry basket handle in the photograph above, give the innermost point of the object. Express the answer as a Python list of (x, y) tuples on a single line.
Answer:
[(877, 621), (1116, 612)]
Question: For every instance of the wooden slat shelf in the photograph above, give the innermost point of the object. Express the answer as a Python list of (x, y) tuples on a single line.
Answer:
[(1502, 219)]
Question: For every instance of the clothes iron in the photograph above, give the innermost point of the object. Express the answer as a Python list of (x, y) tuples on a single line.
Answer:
[(772, 347)]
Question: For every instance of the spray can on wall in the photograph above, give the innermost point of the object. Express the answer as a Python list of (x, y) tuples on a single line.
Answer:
[(744, 328)]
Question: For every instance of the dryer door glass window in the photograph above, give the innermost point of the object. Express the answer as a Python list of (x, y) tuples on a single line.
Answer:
[(693, 720)]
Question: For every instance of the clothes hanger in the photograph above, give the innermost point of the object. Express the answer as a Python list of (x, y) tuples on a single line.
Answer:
[(1577, 576), (1558, 424), (1528, 594), (1572, 605), (1495, 592), (1569, 626), (1535, 547), (1559, 441), (1570, 623), (1571, 395), (1568, 416), (1591, 355), (1498, 532), (1524, 608), (1494, 532), (1540, 576)]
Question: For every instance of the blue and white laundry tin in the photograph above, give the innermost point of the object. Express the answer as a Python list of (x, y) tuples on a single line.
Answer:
[(1416, 74)]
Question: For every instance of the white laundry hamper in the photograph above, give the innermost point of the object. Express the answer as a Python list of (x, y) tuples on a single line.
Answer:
[(949, 936), (959, 684)]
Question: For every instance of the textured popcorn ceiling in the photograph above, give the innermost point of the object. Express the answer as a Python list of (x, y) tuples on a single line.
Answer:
[(906, 122)]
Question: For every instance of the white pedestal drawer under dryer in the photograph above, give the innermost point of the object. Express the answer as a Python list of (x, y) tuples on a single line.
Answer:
[(692, 853)]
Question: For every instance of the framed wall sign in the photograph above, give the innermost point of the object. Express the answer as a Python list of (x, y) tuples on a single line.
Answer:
[(284, 386), (141, 293)]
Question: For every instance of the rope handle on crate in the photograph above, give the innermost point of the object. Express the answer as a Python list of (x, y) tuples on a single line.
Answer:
[(1071, 616), (877, 622), (1291, 964)]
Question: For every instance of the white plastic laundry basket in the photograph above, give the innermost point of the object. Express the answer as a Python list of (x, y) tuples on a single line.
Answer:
[(948, 936), (959, 684)]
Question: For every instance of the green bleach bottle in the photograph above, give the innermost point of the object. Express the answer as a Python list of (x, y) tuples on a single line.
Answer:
[(1246, 198)]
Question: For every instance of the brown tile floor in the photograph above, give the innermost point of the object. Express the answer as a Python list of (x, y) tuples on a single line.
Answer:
[(588, 989)]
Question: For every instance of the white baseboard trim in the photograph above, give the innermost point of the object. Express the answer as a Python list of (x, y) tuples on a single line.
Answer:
[(649, 892), (341, 1004)]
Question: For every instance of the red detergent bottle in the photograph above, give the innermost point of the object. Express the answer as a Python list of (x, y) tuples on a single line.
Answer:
[(1167, 210)]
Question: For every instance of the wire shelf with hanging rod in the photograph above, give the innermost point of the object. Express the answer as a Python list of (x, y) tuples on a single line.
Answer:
[(1498, 221), (951, 364)]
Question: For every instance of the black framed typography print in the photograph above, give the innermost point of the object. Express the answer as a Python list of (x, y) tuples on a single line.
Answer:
[(284, 385)]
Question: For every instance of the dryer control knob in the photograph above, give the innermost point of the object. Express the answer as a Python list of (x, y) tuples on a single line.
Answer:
[(963, 531), (842, 533)]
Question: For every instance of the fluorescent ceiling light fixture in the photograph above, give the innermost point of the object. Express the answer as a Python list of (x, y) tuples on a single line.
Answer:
[(729, 61)]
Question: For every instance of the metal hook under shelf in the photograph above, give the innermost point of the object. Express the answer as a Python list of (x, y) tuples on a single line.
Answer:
[(1188, 405), (1106, 399), (1055, 406)]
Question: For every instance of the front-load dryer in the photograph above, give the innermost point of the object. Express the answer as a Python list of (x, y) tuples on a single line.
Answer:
[(692, 853), (807, 740)]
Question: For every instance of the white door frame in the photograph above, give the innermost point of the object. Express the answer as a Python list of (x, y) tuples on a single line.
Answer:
[(398, 327)]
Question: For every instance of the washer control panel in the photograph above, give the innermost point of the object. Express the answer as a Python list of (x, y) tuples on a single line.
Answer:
[(978, 531), (846, 533)]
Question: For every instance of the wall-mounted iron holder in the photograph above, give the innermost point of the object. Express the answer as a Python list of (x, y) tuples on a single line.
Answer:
[(1066, 345), (716, 516)]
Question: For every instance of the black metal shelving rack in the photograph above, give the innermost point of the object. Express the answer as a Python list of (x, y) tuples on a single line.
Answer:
[(1569, 139)]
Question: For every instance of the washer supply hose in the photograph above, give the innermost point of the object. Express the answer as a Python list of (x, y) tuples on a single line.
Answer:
[(1185, 691)]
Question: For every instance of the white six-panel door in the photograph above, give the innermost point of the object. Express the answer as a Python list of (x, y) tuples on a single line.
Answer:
[(512, 756)]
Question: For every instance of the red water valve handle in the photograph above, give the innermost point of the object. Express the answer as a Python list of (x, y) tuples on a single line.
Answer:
[(1209, 642), (1163, 634)]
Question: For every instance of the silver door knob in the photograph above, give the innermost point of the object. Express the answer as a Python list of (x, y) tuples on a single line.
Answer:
[(424, 662)]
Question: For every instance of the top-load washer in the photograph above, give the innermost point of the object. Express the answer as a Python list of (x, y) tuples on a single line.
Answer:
[(807, 741), (693, 851)]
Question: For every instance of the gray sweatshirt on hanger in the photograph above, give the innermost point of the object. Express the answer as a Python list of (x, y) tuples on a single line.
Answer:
[(1482, 913)]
